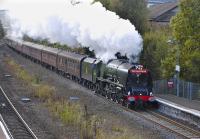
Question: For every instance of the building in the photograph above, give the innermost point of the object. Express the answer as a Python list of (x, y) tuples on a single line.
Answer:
[(161, 14), (155, 2)]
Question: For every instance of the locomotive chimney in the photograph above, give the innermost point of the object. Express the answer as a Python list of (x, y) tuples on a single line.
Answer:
[(119, 56)]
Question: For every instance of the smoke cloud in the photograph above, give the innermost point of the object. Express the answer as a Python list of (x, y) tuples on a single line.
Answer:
[(75, 22)]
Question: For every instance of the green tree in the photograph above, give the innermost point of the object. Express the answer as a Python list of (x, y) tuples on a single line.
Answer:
[(133, 10), (2, 33), (169, 62), (155, 51), (186, 30)]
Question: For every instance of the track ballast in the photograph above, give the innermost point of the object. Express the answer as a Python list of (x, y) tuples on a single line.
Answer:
[(14, 122)]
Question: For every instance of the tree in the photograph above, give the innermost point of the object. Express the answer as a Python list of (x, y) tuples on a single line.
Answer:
[(2, 33), (133, 10), (186, 30), (155, 51)]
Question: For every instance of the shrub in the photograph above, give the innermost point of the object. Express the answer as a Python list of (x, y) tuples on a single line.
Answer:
[(44, 92)]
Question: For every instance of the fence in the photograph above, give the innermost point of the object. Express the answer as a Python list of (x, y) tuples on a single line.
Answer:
[(187, 90)]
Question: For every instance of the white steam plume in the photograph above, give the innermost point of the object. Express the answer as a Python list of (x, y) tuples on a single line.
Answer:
[(75, 22)]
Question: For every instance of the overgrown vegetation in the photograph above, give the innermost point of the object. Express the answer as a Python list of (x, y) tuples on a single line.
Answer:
[(40, 90), (70, 113), (155, 51)]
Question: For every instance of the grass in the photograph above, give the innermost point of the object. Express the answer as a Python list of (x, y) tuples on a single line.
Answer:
[(89, 126), (43, 91), (118, 129), (33, 82), (69, 113)]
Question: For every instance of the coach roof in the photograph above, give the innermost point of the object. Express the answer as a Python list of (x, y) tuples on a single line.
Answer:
[(72, 55), (33, 45), (51, 50)]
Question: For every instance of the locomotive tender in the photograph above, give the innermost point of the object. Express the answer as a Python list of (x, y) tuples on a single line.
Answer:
[(118, 80)]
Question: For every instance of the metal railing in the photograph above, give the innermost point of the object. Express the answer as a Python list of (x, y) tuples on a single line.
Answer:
[(187, 90)]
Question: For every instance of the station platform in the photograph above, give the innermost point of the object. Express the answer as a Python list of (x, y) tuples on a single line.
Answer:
[(185, 103), (180, 108)]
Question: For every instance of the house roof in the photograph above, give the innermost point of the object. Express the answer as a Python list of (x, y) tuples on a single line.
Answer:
[(161, 9)]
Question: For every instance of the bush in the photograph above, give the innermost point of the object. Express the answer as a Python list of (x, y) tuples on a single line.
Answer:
[(155, 51), (44, 92)]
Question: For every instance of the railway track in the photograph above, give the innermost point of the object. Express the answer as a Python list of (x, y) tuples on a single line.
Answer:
[(16, 125), (172, 125), (164, 122)]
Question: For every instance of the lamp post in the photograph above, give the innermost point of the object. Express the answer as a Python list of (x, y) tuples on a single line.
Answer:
[(177, 67)]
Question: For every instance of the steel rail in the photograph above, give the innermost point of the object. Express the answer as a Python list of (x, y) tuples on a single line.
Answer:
[(18, 115), (163, 121), (167, 123), (6, 127), (188, 131)]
